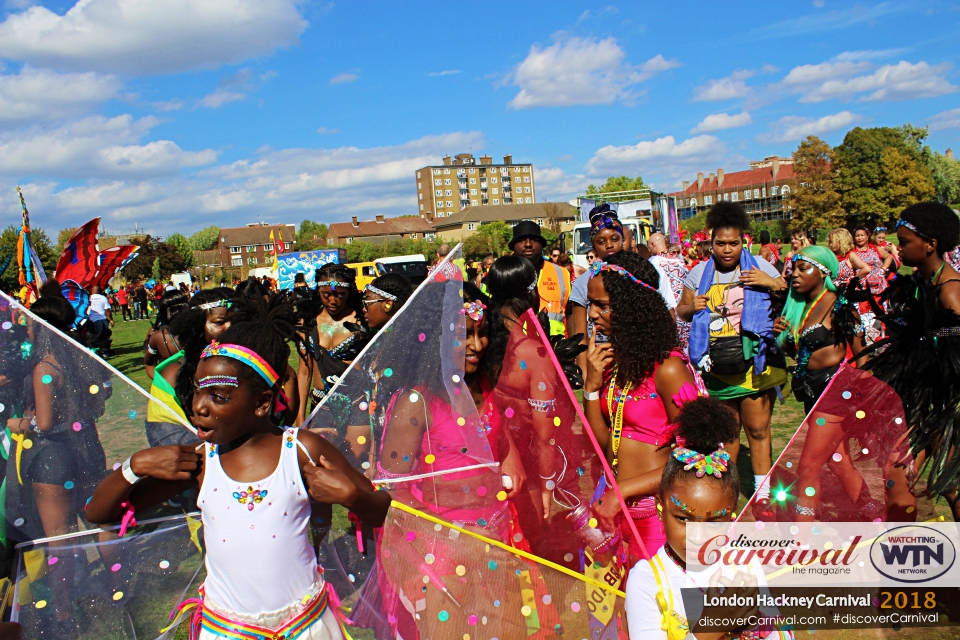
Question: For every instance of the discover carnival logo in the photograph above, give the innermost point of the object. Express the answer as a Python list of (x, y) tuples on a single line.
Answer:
[(912, 554)]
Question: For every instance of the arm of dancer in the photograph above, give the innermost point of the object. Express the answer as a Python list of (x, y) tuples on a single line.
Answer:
[(689, 304), (43, 401), (512, 466), (599, 357), (291, 387), (863, 269), (333, 481), (304, 373), (543, 392), (886, 257)]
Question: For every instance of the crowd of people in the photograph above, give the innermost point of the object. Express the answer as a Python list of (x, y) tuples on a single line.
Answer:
[(676, 351)]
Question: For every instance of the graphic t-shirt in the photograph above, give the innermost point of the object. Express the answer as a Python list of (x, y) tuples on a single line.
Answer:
[(98, 307)]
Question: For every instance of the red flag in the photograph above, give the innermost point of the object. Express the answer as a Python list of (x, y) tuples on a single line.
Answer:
[(112, 261), (80, 258)]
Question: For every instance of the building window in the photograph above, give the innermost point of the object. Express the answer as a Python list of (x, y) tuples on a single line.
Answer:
[(252, 261), (421, 207), (764, 192), (707, 200), (756, 193), (439, 192), (437, 182), (473, 192), (473, 181), (493, 180), (447, 181), (448, 193), (693, 202), (421, 196), (746, 194), (413, 236), (774, 191), (446, 172), (449, 204), (525, 169), (474, 202), (527, 200), (439, 214), (251, 248), (234, 249), (471, 170), (495, 190), (418, 175), (471, 226), (540, 221), (496, 201), (236, 261), (784, 191), (526, 178), (736, 196), (349, 240)]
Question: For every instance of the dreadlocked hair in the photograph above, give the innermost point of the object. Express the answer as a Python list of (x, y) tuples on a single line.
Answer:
[(396, 285), (935, 221), (703, 425), (266, 328), (508, 282), (642, 333), (172, 303), (343, 273), (251, 287), (189, 329), (727, 215)]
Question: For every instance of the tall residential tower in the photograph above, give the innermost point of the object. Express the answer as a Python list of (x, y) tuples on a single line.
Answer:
[(464, 181)]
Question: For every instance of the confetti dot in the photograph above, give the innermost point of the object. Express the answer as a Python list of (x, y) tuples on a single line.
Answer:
[(501, 495), (759, 525), (556, 421), (94, 389), (18, 522), (547, 599), (6, 326), (437, 527), (542, 386), (2, 407), (387, 372), (47, 379), (456, 343), (821, 421), (846, 395), (132, 414), (456, 379), (496, 603), (461, 421), (837, 457), (526, 610), (492, 565), (443, 616), (810, 491), (118, 595), (481, 491), (472, 621), (164, 564), (430, 458), (592, 523), (40, 604), (550, 485), (430, 558), (794, 529), (411, 536), (815, 531), (52, 560), (116, 465), (568, 557), (575, 607), (517, 537), (890, 484), (860, 414), (422, 337), (361, 439), (911, 509), (364, 465), (115, 567), (363, 406), (414, 397), (580, 471), (68, 484), (27, 444), (77, 426), (781, 495), (461, 570), (452, 326), (789, 464), (508, 412)]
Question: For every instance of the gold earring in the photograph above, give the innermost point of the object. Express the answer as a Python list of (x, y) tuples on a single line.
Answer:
[(387, 306), (660, 508)]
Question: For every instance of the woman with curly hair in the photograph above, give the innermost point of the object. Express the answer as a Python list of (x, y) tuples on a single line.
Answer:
[(637, 380), (160, 343), (727, 298)]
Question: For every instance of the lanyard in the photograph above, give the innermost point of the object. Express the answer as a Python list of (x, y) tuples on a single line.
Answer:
[(806, 315), (615, 408)]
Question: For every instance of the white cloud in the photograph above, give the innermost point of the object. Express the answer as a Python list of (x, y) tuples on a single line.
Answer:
[(135, 37), (325, 131), (574, 71), (95, 147), (945, 120), (168, 105), (792, 128), (822, 22), (721, 121), (728, 88), (661, 157), (42, 94), (870, 54), (902, 81), (448, 72), (806, 76), (219, 98), (342, 78)]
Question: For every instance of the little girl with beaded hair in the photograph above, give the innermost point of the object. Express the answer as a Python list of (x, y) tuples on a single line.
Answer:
[(699, 484), (256, 482)]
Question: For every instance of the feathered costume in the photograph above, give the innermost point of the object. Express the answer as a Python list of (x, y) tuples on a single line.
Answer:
[(920, 360)]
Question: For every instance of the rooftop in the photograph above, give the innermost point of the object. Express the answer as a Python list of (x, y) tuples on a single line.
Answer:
[(237, 236), (380, 227), (737, 179), (505, 212)]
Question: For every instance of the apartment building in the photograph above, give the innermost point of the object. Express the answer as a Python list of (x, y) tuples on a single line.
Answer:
[(380, 230), (464, 181), (763, 190)]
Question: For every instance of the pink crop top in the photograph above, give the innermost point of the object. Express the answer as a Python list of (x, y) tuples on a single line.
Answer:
[(644, 416)]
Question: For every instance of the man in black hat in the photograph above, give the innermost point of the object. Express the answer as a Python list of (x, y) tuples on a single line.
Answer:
[(553, 281)]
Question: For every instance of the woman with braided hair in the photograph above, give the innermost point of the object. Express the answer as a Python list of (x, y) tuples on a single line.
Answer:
[(637, 380)]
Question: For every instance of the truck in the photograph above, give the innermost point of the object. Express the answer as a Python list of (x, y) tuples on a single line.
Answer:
[(413, 267)]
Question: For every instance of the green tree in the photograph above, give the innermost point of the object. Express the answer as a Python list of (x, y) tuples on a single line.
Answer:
[(311, 235), (614, 184), (946, 178), (167, 258), (205, 239), (63, 236), (861, 177), (9, 280), (182, 245), (155, 269), (815, 201), (906, 181), (489, 238)]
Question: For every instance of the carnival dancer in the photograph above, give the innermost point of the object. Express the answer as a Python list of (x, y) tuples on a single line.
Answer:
[(254, 478), (878, 261), (798, 240), (160, 344), (922, 352), (671, 264), (699, 484), (731, 335), (818, 327), (769, 251), (880, 239), (636, 384)]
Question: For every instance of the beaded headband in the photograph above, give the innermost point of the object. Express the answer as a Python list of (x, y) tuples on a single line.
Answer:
[(333, 284), (206, 306), (380, 292), (217, 381), (879, 229), (244, 355), (904, 223), (599, 265), (822, 268), (604, 221), (473, 310), (715, 463), (533, 285)]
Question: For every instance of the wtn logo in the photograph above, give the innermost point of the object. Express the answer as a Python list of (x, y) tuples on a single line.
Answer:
[(913, 553)]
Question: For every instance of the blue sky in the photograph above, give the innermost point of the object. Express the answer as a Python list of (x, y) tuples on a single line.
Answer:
[(174, 114)]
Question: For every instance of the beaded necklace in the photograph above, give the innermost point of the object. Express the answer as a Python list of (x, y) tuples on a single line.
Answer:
[(615, 404)]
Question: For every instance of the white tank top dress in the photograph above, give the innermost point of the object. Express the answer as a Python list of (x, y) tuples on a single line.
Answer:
[(261, 567)]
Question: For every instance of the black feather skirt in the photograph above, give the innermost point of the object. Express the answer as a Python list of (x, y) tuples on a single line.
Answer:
[(920, 360)]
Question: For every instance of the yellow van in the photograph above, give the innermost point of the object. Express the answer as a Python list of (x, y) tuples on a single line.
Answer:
[(366, 273)]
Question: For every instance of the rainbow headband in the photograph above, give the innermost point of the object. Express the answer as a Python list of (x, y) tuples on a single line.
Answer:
[(473, 310), (714, 464), (599, 265), (244, 355)]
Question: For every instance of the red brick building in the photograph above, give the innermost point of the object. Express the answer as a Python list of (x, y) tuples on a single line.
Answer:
[(250, 246), (763, 190), (380, 230)]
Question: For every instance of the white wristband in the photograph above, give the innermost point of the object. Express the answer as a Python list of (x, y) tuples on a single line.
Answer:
[(591, 395), (128, 473)]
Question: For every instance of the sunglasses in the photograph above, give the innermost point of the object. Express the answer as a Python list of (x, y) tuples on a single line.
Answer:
[(367, 302)]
